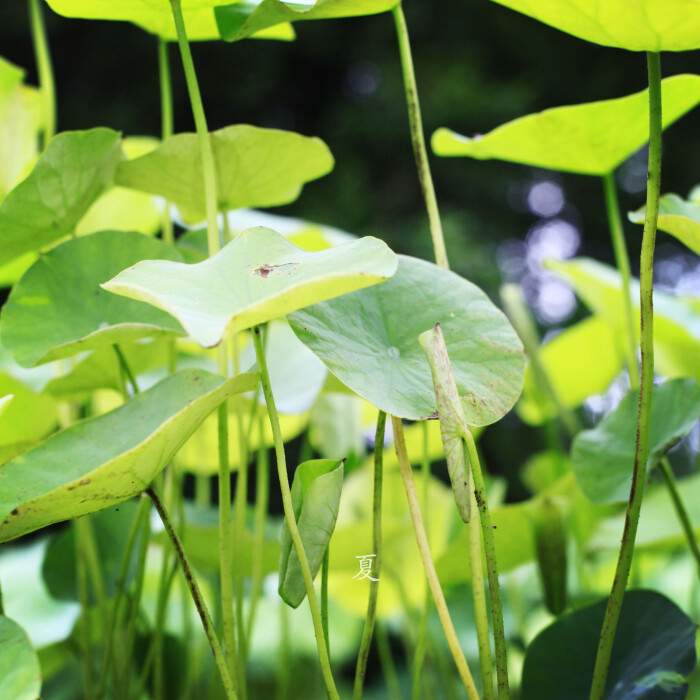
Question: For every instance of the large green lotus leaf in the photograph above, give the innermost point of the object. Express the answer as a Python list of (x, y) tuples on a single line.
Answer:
[(20, 675), (677, 217), (315, 499), (369, 340), (254, 168), (659, 528), (592, 138), (256, 277), (103, 461), (636, 25), (76, 168), (243, 19), (581, 360), (653, 652), (27, 418), (110, 530), (156, 17), (603, 457), (58, 309), (10, 273), (676, 321), (20, 122), (122, 209)]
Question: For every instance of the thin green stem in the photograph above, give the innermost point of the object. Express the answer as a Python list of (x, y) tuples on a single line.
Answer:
[(499, 635), (324, 598), (45, 70), (141, 513), (521, 318), (422, 633), (197, 597), (617, 234), (386, 661), (284, 653), (426, 557), (200, 121), (214, 244), (84, 599), (262, 495), (2, 605), (612, 613), (479, 598), (418, 139), (241, 500), (681, 512), (289, 515), (124, 365), (370, 617)]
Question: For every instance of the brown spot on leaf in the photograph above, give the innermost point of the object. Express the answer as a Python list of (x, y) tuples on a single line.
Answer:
[(84, 482), (266, 270), (15, 511)]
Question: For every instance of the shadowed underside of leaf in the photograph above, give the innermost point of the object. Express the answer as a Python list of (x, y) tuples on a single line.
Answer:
[(591, 139), (369, 340), (105, 460), (452, 420), (76, 168), (257, 277), (636, 25), (243, 19), (315, 499)]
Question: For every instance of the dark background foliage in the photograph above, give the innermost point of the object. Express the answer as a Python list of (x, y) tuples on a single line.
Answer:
[(478, 65)]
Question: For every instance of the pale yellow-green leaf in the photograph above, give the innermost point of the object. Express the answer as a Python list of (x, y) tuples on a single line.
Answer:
[(591, 139), (678, 217), (636, 25), (581, 360), (257, 277)]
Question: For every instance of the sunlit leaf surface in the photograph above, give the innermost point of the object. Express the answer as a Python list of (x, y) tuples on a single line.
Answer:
[(678, 217), (636, 25), (257, 277), (102, 461), (591, 139), (254, 168), (76, 168)]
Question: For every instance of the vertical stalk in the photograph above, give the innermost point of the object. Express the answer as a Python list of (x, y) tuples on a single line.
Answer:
[(418, 139), (214, 244), (499, 635), (324, 598), (681, 512), (479, 598), (262, 494), (386, 660), (426, 557), (370, 617), (196, 597), (84, 598), (284, 652), (421, 635), (289, 515), (617, 234), (612, 613), (45, 70)]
